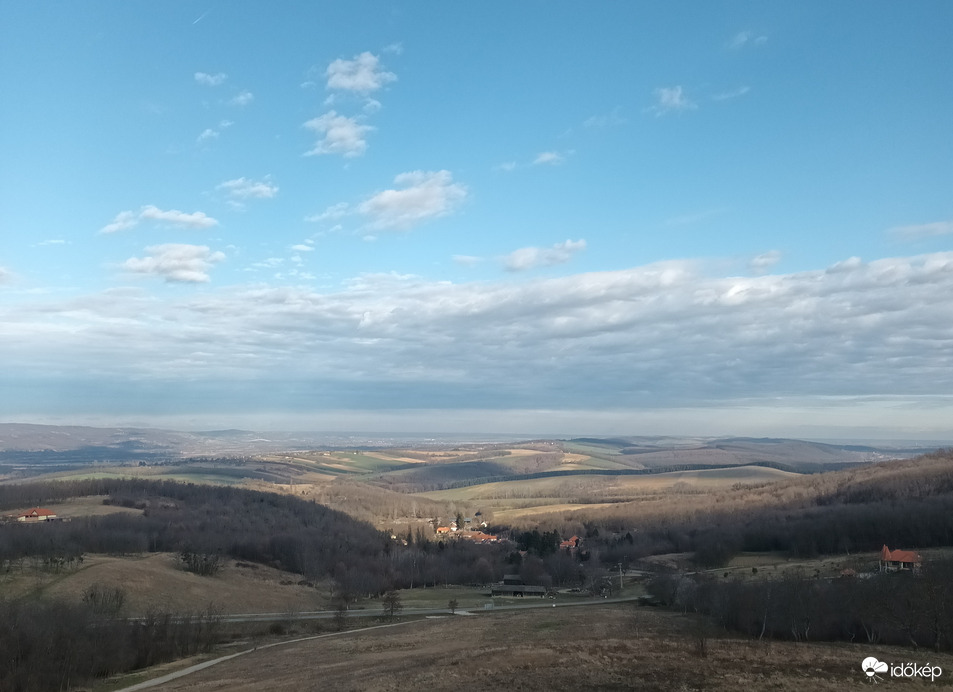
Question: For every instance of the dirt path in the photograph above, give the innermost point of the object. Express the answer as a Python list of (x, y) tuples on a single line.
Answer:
[(208, 664)]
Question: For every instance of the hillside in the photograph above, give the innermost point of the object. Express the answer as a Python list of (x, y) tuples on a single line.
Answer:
[(612, 647), (156, 582)]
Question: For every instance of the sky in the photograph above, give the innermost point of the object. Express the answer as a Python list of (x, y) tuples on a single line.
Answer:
[(719, 218)]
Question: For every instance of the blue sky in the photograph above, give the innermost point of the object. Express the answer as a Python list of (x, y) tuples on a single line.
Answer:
[(638, 218)]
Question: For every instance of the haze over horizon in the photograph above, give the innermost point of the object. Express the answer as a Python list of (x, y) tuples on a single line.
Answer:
[(633, 219)]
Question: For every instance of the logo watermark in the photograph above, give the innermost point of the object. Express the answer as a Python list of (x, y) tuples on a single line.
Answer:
[(874, 670)]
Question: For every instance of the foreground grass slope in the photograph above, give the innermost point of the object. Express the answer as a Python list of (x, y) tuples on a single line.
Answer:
[(603, 647)]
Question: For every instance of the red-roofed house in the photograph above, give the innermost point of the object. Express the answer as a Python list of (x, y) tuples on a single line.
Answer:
[(896, 560), (37, 514), (479, 537), (570, 544)]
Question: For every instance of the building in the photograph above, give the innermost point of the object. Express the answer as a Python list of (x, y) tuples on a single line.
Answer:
[(899, 560), (570, 544), (479, 537), (36, 514), (512, 585)]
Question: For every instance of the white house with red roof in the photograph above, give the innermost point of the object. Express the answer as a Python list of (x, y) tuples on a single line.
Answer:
[(37, 514), (897, 560)]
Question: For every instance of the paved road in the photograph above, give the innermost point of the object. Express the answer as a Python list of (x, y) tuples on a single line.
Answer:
[(374, 612)]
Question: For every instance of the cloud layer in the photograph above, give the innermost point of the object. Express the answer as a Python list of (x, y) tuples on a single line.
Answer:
[(659, 335)]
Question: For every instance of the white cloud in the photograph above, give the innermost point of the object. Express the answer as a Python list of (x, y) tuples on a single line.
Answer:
[(197, 219), (52, 241), (507, 166), (532, 257), (396, 48), (5, 275), (760, 264), (926, 230), (671, 100), (301, 247), (207, 134), (746, 38), (123, 221), (731, 94), (269, 263), (551, 158), (467, 260), (213, 80), (340, 135), (332, 213), (242, 99), (212, 133), (128, 219), (611, 119), (423, 195), (363, 74), (176, 262), (243, 188)]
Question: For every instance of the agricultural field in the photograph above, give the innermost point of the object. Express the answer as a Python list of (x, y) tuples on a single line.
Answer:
[(524, 498), (91, 506)]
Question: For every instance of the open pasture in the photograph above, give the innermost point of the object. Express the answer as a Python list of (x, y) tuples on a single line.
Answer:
[(616, 646), (155, 582)]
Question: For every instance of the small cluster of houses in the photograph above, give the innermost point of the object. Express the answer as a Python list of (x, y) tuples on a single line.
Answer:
[(466, 534)]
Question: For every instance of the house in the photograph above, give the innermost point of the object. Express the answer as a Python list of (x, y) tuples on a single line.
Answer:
[(479, 537), (37, 514), (443, 530), (570, 544), (899, 560), (512, 585)]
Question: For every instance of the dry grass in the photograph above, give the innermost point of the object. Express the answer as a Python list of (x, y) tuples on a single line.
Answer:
[(155, 582), (604, 648), (509, 500)]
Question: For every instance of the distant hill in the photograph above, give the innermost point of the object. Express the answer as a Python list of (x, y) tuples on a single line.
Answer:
[(133, 443), (802, 455)]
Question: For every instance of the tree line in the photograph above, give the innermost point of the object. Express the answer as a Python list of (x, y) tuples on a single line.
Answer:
[(51, 646), (902, 608)]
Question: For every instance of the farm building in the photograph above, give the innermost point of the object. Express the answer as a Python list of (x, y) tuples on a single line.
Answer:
[(512, 585), (37, 514), (897, 560)]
